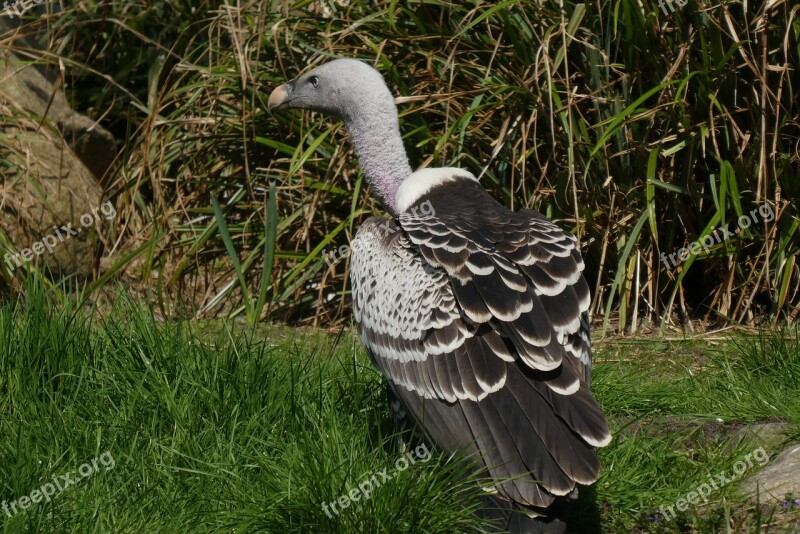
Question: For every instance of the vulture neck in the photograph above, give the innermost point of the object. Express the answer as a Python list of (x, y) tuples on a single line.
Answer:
[(375, 131)]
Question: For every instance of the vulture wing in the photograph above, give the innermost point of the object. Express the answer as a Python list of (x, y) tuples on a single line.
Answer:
[(478, 318)]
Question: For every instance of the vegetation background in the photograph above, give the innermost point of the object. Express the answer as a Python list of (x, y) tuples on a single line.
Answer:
[(640, 127)]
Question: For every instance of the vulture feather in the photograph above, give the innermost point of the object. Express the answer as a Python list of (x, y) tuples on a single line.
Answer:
[(476, 315)]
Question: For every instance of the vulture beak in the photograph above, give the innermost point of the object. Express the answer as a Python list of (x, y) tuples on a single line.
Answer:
[(279, 97)]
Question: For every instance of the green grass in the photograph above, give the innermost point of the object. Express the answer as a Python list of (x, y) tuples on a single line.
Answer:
[(677, 409), (220, 426), (212, 428)]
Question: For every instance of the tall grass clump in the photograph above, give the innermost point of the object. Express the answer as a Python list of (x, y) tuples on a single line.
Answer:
[(639, 130), (212, 427)]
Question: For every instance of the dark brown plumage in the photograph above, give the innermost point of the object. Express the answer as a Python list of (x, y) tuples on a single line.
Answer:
[(477, 317)]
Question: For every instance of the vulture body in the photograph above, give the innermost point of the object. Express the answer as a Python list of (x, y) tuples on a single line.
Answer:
[(476, 315)]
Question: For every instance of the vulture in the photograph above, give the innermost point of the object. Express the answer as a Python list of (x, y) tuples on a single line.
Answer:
[(476, 315)]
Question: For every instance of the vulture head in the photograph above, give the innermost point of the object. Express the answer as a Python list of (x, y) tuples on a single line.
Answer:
[(354, 92), (343, 88)]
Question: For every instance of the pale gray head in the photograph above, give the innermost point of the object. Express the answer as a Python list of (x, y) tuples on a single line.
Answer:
[(339, 88), (354, 92)]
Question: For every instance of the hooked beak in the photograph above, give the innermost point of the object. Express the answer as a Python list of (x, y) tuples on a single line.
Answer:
[(279, 98)]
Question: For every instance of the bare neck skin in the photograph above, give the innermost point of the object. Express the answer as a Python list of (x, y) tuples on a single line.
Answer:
[(375, 130)]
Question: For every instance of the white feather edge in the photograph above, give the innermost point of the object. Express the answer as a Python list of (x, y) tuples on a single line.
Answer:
[(420, 182)]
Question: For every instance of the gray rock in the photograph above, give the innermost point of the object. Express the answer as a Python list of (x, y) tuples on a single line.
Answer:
[(50, 158), (779, 477), (26, 87)]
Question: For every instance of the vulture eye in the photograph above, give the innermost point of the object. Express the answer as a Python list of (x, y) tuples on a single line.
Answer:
[(314, 81)]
